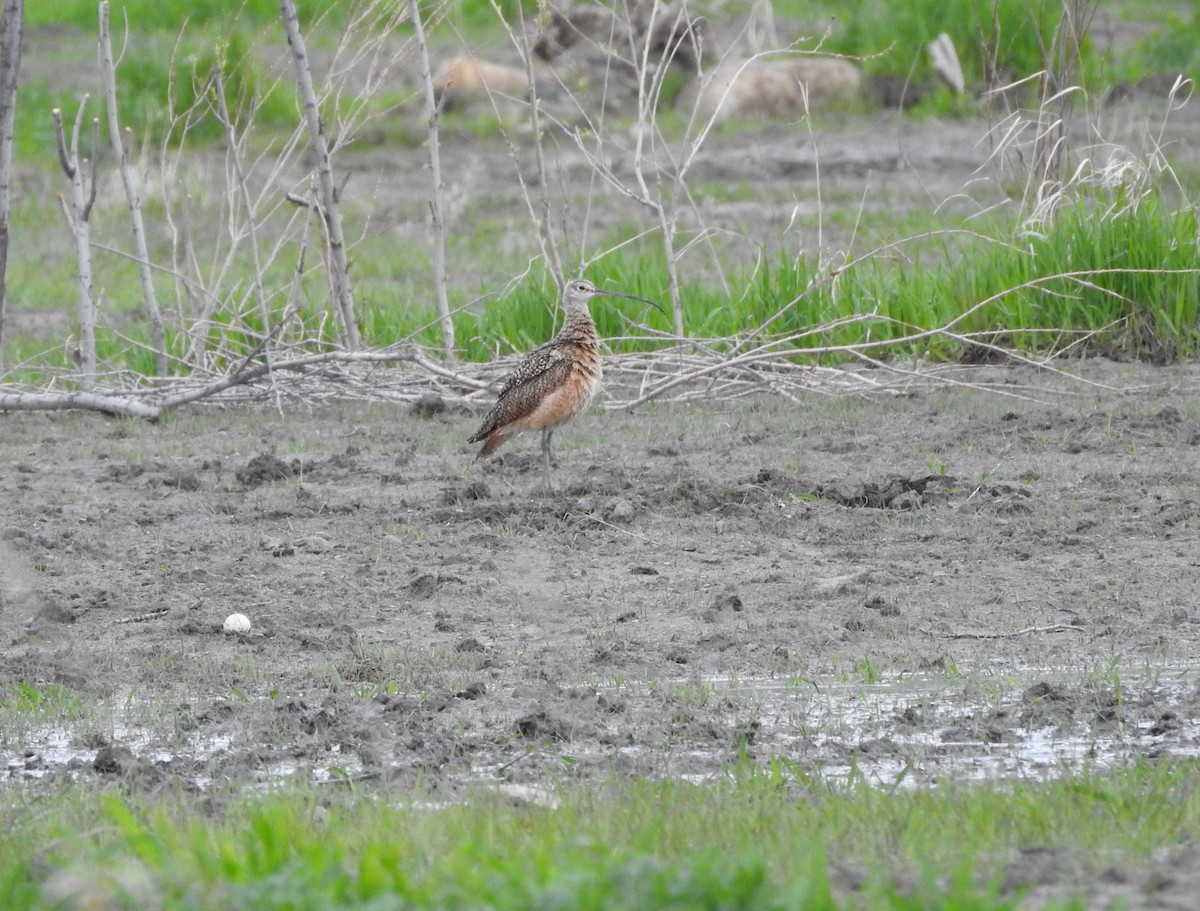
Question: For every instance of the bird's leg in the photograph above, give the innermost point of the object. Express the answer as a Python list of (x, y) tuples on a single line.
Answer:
[(546, 434)]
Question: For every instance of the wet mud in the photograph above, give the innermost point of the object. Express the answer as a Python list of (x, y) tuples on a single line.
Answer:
[(957, 583)]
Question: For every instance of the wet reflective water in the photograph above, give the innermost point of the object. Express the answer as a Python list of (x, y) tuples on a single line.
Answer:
[(907, 731), (919, 729)]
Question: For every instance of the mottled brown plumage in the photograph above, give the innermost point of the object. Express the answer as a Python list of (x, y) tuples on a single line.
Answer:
[(554, 382)]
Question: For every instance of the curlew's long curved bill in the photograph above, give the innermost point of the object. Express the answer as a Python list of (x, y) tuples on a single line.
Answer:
[(632, 297)]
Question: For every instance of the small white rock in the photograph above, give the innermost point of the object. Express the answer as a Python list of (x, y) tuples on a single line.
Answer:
[(236, 623)]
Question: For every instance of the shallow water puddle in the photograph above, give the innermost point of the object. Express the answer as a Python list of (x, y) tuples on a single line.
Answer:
[(914, 730), (48, 749), (917, 729)]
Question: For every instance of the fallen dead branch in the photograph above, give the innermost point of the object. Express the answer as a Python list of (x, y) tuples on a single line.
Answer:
[(142, 618), (1027, 631), (679, 374), (115, 404)]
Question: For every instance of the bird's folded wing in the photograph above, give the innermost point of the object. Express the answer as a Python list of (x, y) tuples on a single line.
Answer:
[(543, 371)]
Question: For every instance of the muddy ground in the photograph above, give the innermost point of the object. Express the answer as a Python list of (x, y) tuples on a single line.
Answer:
[(951, 583)]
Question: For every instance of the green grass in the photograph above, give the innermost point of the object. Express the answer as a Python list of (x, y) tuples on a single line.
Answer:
[(1126, 276), (1008, 36), (149, 15), (1123, 274), (164, 84), (892, 37), (1174, 47), (28, 703), (772, 839)]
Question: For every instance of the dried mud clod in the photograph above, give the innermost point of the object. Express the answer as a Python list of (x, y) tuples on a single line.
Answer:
[(894, 492), (429, 405), (265, 468), (114, 759), (544, 725), (882, 605), (469, 493)]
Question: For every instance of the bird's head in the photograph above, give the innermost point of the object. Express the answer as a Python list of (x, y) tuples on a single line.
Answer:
[(579, 291)]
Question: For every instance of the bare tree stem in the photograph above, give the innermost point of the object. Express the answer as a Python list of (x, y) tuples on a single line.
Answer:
[(243, 194), (158, 338), (12, 20), (78, 211), (435, 201), (339, 270)]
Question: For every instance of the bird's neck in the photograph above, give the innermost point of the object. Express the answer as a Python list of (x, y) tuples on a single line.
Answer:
[(577, 324)]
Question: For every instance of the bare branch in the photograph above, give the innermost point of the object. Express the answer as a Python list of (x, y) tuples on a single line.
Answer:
[(435, 201), (12, 21), (339, 269), (86, 401), (60, 143), (132, 194), (95, 163), (77, 212)]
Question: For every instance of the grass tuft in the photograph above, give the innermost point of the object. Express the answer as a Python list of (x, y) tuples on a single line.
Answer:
[(759, 839)]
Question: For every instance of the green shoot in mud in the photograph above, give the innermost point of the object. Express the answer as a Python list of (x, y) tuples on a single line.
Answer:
[(755, 840), (26, 702), (868, 673)]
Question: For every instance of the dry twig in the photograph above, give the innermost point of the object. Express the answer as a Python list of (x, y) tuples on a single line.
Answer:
[(1027, 631)]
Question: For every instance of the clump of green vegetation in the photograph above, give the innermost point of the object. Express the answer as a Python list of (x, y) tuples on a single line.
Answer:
[(1173, 47), (758, 839), (154, 15), (1120, 274), (890, 38), (25, 700), (1119, 270), (165, 68), (187, 79)]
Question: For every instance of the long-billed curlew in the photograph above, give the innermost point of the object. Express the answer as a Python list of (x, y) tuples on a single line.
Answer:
[(553, 382)]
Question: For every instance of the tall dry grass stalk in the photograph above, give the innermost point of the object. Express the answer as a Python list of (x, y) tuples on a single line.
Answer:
[(1061, 59)]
